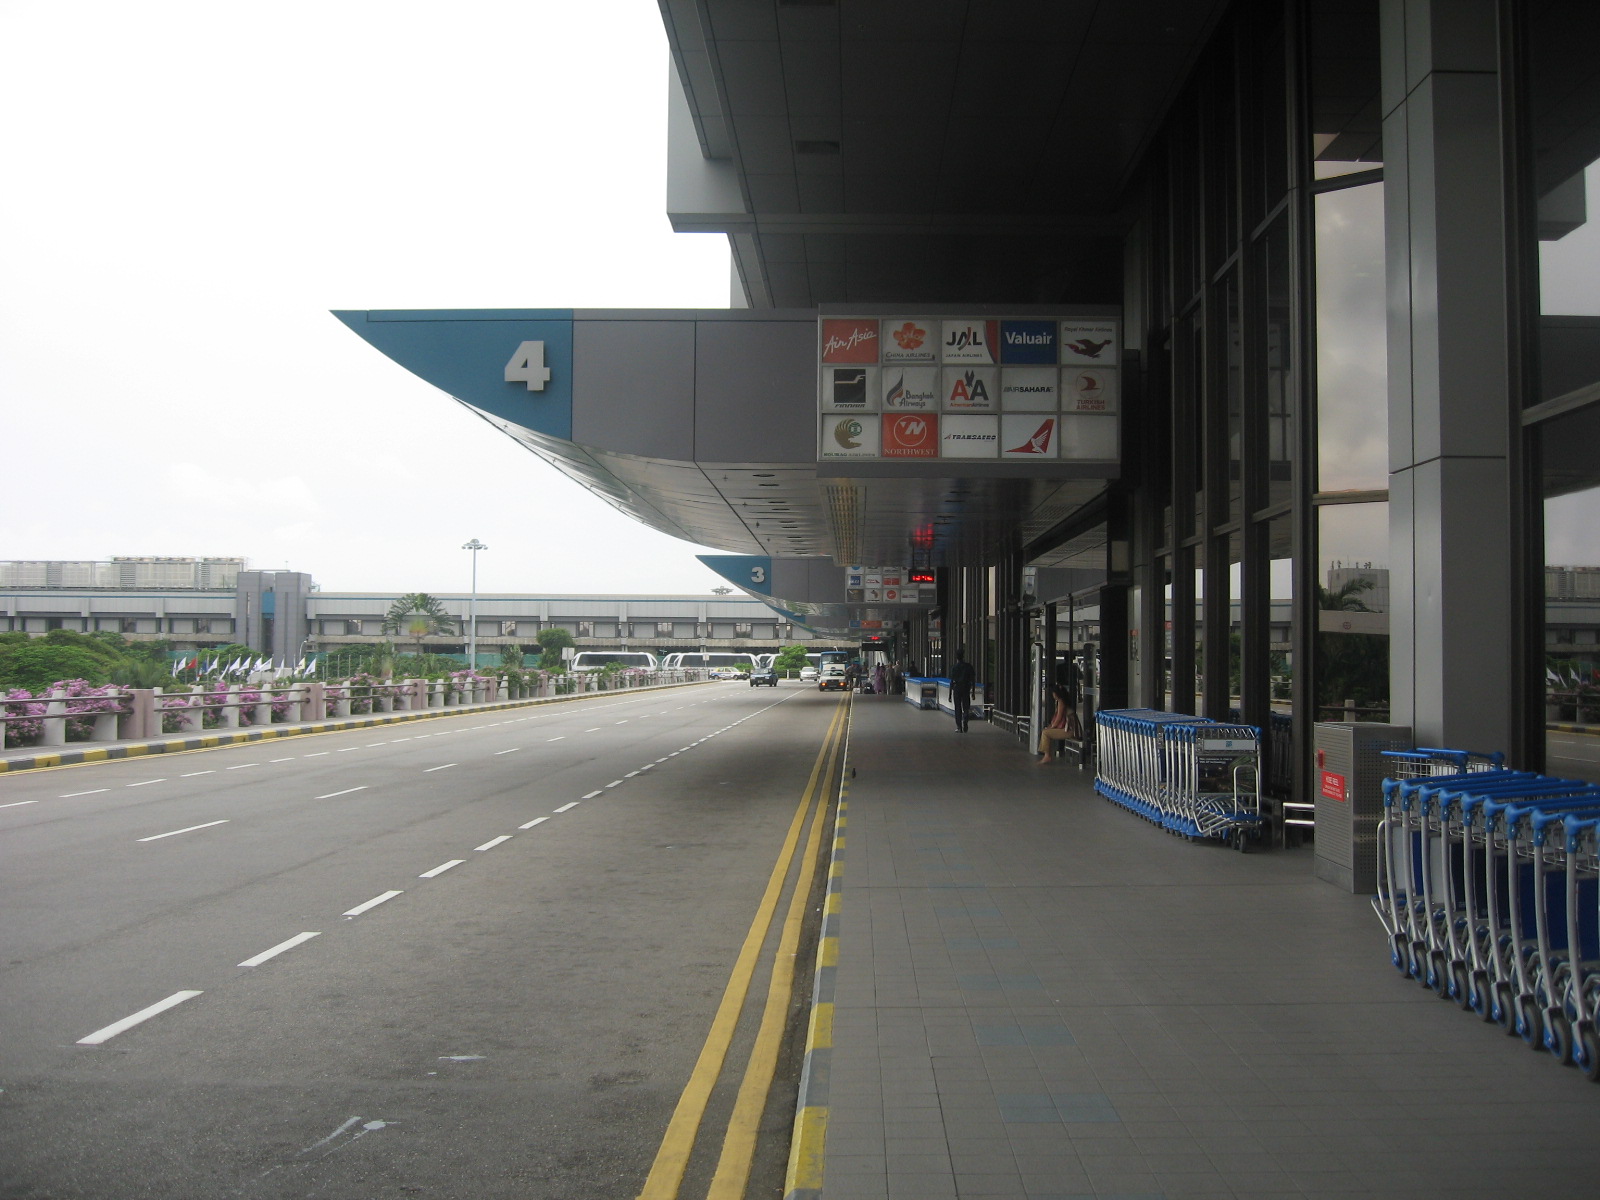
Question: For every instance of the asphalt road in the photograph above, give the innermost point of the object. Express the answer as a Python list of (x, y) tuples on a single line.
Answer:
[(1573, 755), (468, 957)]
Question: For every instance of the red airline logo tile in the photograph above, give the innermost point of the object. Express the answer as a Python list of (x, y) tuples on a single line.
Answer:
[(849, 341), (911, 435)]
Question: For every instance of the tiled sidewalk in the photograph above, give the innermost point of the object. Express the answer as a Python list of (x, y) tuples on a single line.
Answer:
[(1040, 995)]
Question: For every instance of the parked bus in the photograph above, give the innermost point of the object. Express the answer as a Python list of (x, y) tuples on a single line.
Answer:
[(593, 660)]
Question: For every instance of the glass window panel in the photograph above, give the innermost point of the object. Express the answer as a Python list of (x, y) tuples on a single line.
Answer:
[(1222, 160), (1571, 486), (1279, 756), (1352, 637), (1277, 346), (1346, 111), (1352, 341), (1232, 399)]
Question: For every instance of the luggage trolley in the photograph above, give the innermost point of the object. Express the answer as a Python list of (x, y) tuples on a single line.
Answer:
[(1214, 782), (1582, 840), (1131, 765)]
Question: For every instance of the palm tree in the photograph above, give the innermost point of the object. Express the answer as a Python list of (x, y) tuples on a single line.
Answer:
[(418, 614), (1346, 597)]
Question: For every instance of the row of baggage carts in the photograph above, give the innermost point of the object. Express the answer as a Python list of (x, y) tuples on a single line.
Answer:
[(1194, 777), (1489, 890)]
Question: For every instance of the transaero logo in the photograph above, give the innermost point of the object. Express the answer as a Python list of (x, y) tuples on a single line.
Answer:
[(1028, 341)]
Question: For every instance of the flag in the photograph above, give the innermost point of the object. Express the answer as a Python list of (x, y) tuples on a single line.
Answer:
[(175, 664), (232, 668)]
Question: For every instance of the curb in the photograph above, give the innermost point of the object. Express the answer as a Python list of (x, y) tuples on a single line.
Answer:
[(803, 1180), (209, 741), (1591, 730)]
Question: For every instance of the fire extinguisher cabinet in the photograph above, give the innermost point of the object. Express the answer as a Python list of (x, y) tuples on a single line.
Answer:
[(1348, 772)]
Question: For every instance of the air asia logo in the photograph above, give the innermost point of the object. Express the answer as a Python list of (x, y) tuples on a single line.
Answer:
[(969, 391), (849, 341), (910, 436), (848, 434), (910, 336), (1039, 443), (1087, 348)]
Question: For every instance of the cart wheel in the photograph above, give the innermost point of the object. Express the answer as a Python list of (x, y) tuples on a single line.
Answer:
[(1416, 968), (1460, 984), (1586, 1050), (1397, 952), (1558, 1035), (1527, 1024), (1501, 1012), (1241, 840), (1438, 974), (1479, 995)]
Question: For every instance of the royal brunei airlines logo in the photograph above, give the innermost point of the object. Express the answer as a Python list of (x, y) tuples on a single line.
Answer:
[(1039, 443), (1088, 348)]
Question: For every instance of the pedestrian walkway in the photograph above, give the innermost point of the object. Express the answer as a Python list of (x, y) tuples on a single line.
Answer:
[(1039, 995)]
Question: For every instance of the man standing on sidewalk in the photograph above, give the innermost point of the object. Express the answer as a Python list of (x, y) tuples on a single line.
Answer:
[(961, 679)]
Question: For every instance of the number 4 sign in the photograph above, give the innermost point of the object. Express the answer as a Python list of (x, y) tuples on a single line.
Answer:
[(527, 366)]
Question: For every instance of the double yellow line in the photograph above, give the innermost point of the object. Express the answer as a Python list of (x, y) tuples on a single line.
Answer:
[(739, 1142)]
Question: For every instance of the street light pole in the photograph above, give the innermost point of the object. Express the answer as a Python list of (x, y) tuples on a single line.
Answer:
[(472, 610)]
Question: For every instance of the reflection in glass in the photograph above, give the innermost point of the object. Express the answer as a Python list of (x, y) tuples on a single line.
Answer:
[(1571, 487), (1352, 639), (1352, 341), (1277, 345), (1279, 755), (1346, 111), (1233, 393)]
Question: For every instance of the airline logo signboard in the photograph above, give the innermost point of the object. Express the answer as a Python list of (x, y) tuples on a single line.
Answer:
[(883, 585), (909, 388)]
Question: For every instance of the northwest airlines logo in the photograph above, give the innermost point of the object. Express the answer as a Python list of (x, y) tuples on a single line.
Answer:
[(1039, 443), (910, 436)]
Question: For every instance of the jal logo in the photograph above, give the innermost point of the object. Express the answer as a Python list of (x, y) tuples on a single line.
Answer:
[(849, 341), (910, 436), (1039, 443), (970, 341), (848, 434), (969, 391)]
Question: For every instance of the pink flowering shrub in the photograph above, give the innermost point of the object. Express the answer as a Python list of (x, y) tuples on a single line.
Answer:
[(84, 700)]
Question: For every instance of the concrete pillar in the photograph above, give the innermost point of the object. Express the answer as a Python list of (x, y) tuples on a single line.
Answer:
[(1450, 497), (230, 707), (262, 713), (53, 728)]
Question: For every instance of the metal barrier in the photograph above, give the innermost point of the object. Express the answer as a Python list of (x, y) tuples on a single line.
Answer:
[(1192, 776), (1490, 895)]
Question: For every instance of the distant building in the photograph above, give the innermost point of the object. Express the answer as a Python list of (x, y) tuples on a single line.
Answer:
[(1375, 598)]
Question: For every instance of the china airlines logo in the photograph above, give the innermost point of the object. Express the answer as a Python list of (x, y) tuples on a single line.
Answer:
[(909, 336), (1039, 443)]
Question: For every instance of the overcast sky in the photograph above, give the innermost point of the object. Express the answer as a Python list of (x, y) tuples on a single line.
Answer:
[(190, 187)]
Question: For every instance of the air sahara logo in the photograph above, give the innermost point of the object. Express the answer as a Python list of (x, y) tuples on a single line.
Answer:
[(848, 434), (1039, 443)]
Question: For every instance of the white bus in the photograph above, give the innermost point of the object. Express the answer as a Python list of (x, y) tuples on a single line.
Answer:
[(593, 660), (719, 659)]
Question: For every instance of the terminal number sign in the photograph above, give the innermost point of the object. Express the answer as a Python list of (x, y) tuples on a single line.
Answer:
[(527, 366)]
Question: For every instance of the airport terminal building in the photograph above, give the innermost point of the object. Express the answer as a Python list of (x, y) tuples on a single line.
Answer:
[(1151, 314)]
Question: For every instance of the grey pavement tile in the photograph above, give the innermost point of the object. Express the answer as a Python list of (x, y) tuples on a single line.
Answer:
[(992, 1162), (920, 1186), (853, 1164), (904, 1164), (983, 1184)]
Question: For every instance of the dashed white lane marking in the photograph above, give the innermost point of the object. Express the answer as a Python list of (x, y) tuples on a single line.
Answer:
[(646, 767), (372, 744), (441, 767), (532, 823), (190, 829), (18, 803), (373, 903), (562, 738), (346, 750), (630, 774), (493, 842), (566, 806), (144, 783), (596, 729), (513, 750), (273, 760), (624, 721), (400, 739), (441, 868), (241, 766), (144, 1014), (319, 753), (90, 792), (589, 795), (662, 760), (258, 959), (613, 783), (192, 774), (346, 792)]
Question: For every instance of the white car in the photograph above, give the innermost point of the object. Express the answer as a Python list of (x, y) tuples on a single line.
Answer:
[(726, 673), (808, 674)]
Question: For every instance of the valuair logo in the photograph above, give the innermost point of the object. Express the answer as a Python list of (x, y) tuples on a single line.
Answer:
[(911, 436), (847, 434), (849, 341), (1039, 443), (1028, 341)]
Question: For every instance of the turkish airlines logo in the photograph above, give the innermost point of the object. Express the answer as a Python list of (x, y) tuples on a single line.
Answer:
[(910, 436), (1039, 443), (845, 341)]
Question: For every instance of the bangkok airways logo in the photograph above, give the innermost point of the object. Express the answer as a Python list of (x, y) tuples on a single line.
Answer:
[(1039, 443)]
